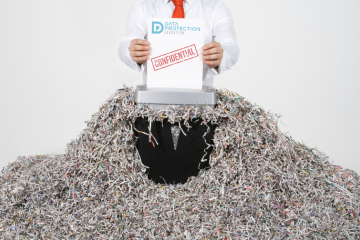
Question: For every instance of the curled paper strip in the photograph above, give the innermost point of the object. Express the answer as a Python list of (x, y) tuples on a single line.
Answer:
[(262, 184)]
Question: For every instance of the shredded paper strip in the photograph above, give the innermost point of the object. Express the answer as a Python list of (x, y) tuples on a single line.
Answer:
[(262, 184)]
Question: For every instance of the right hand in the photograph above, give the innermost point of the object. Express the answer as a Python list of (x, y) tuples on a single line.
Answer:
[(139, 50)]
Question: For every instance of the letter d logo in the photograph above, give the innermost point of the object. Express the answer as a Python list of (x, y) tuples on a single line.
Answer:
[(157, 27)]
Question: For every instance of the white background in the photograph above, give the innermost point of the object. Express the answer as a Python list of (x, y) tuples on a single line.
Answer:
[(299, 58)]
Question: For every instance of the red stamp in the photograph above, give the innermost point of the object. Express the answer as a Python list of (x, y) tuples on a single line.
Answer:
[(174, 57)]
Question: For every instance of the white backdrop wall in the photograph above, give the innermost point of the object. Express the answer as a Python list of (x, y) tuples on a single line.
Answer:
[(299, 58)]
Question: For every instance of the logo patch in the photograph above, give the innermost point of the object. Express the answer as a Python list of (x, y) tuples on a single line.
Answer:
[(157, 27)]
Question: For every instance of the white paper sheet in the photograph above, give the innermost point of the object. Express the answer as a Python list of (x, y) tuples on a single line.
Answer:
[(175, 59)]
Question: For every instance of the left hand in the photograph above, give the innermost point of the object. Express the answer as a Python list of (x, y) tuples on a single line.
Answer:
[(212, 54)]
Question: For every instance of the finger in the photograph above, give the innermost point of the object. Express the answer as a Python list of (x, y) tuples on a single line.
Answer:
[(209, 45), (140, 53), (212, 56), (140, 42), (140, 47), (212, 51), (212, 63), (140, 59)]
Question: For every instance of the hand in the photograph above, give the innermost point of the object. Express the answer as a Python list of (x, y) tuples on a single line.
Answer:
[(212, 54), (139, 50)]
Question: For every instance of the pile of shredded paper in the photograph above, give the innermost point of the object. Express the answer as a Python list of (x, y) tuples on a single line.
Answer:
[(262, 184)]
